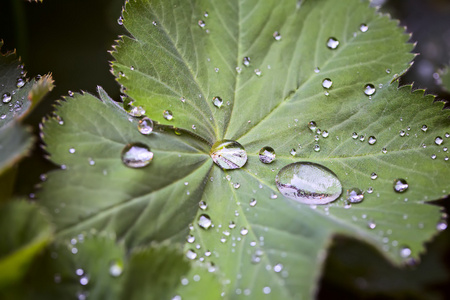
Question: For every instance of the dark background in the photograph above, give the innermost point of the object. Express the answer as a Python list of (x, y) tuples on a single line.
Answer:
[(71, 39)]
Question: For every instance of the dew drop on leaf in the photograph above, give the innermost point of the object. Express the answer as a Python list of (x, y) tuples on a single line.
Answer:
[(202, 205), (308, 183), (363, 27), (369, 89), (317, 147), (6, 97), (246, 61), (204, 221), (405, 252), (373, 176), (441, 225), (120, 21), (424, 128), (278, 268), (201, 23), (372, 140), (354, 135), (312, 125), (267, 155), (167, 114), (244, 231), (332, 43), (438, 140), (327, 83), (400, 185), (136, 155), (258, 72), (217, 101), (325, 134), (115, 268), (145, 126), (293, 152), (228, 154), (191, 254), (20, 82), (355, 195), (253, 202), (277, 36)]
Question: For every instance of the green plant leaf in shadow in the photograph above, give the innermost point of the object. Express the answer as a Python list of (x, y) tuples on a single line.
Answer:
[(26, 231)]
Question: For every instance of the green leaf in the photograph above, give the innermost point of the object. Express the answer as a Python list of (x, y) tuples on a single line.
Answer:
[(276, 248), (25, 232)]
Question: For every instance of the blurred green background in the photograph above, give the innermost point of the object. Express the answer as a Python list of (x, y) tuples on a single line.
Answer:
[(71, 39)]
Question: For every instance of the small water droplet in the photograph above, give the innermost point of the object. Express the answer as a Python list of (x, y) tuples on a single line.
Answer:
[(115, 268), (373, 176), (312, 125), (236, 185), (204, 221), (167, 114), (6, 98), (438, 140), (362, 138), (384, 150), (402, 133), (332, 43), (145, 126), (355, 195), (327, 83), (278, 268), (201, 23), (277, 36), (363, 27), (316, 70), (354, 135), (317, 147), (238, 70), (308, 183), (400, 185), (447, 135), (388, 71), (228, 154), (433, 156), (325, 134), (253, 202), (369, 89), (246, 61), (371, 224), (267, 155), (217, 101), (441, 225), (293, 152), (191, 254), (202, 205), (20, 82), (244, 231), (84, 280), (258, 72), (266, 290), (405, 252), (372, 140), (136, 155), (190, 239), (424, 128), (120, 21)]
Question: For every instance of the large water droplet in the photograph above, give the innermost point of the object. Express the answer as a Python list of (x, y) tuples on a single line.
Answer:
[(145, 126), (267, 155), (400, 185), (327, 83), (369, 89), (332, 43), (228, 154), (136, 155), (372, 140), (308, 183), (217, 101), (167, 114), (204, 221), (355, 195)]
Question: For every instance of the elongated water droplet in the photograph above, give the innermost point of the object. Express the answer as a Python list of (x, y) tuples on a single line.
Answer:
[(363, 27), (400, 185), (228, 154), (277, 36), (355, 195), (136, 155), (267, 155), (167, 114), (145, 126), (327, 83), (332, 43), (204, 221), (372, 140), (438, 140), (369, 89), (308, 183), (217, 101)]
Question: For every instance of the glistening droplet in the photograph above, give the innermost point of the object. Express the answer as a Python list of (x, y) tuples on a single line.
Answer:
[(332, 43), (438, 140), (369, 89), (228, 154), (6, 98), (308, 183), (400, 185), (355, 195), (267, 155), (167, 114), (204, 221), (363, 27), (136, 155), (145, 126), (217, 101), (327, 83)]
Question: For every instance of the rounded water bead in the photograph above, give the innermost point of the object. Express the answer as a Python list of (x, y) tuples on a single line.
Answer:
[(116, 268), (438, 140), (400, 185), (308, 183), (217, 101), (267, 155), (6, 98), (363, 27), (136, 155), (201, 23), (369, 89), (228, 154), (246, 61), (355, 195), (424, 128), (204, 221), (372, 140), (354, 135), (277, 36), (332, 43), (312, 125), (145, 126), (167, 114), (327, 83)]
